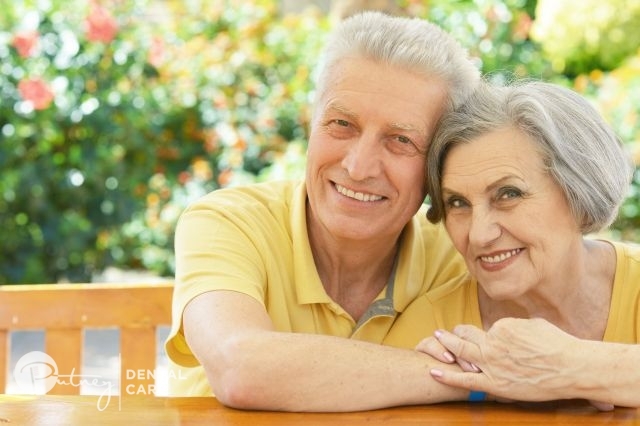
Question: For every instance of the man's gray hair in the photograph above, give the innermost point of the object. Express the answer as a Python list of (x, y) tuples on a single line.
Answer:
[(410, 43)]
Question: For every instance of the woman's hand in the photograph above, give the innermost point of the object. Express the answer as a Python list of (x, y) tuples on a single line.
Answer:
[(432, 346), (516, 359)]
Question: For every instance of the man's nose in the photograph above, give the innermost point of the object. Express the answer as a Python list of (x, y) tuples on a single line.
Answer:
[(364, 158)]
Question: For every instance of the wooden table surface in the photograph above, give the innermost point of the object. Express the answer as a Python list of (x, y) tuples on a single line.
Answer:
[(141, 410)]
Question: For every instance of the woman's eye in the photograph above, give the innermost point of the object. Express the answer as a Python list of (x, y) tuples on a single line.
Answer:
[(510, 193), (455, 203), (342, 123)]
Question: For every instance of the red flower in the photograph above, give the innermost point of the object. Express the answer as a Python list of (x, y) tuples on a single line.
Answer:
[(37, 92), (101, 26), (25, 42)]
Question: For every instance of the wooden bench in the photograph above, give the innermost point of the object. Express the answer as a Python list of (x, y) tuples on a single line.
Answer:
[(64, 311)]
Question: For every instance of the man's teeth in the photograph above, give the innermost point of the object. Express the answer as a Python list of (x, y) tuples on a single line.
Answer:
[(500, 257), (357, 195)]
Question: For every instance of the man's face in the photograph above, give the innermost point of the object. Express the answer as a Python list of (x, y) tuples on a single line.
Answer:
[(366, 155)]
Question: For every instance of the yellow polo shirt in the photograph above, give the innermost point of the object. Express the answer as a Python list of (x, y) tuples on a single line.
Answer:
[(457, 303), (253, 240)]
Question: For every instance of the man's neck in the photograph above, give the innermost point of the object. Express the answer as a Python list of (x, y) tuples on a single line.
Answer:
[(353, 276)]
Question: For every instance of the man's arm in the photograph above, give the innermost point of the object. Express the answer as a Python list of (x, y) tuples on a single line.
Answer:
[(251, 366)]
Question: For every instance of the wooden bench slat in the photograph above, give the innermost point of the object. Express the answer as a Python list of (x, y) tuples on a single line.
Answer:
[(137, 346), (65, 347), (65, 311), (83, 305), (5, 347)]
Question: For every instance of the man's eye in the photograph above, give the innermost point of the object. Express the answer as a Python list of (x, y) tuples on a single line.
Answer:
[(340, 129), (403, 145), (404, 139)]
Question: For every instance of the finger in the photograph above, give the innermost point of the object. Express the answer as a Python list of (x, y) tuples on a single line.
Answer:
[(469, 333), (602, 406), (436, 348), (461, 348), (467, 366), (431, 346), (470, 381)]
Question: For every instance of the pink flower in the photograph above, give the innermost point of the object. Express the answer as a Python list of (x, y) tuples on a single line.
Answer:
[(25, 42), (157, 52), (522, 27), (37, 92), (101, 26)]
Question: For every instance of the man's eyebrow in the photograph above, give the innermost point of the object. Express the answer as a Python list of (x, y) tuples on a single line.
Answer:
[(405, 127), (336, 106), (408, 128)]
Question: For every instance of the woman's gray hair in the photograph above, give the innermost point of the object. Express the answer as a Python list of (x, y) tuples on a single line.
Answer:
[(411, 43), (582, 152)]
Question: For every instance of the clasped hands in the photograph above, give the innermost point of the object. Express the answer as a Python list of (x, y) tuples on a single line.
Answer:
[(516, 359)]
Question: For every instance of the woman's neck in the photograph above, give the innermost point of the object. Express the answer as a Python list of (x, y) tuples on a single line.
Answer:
[(577, 300)]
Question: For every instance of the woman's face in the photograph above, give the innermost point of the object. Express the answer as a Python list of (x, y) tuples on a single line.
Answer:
[(505, 213)]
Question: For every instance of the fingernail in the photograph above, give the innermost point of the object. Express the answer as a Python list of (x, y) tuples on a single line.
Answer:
[(436, 373), (449, 357), (475, 368), (437, 333)]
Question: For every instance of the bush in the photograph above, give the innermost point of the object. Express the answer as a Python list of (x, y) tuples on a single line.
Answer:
[(496, 33), (617, 95), (581, 36), (109, 127), (77, 101)]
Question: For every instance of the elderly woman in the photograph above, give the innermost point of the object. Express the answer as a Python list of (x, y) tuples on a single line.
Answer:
[(521, 175)]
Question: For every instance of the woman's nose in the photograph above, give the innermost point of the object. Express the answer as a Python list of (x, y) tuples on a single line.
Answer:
[(484, 228)]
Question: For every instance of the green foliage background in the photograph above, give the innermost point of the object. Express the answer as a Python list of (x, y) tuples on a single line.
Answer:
[(199, 95)]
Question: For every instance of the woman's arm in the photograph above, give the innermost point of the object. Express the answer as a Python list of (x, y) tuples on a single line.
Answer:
[(533, 360)]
